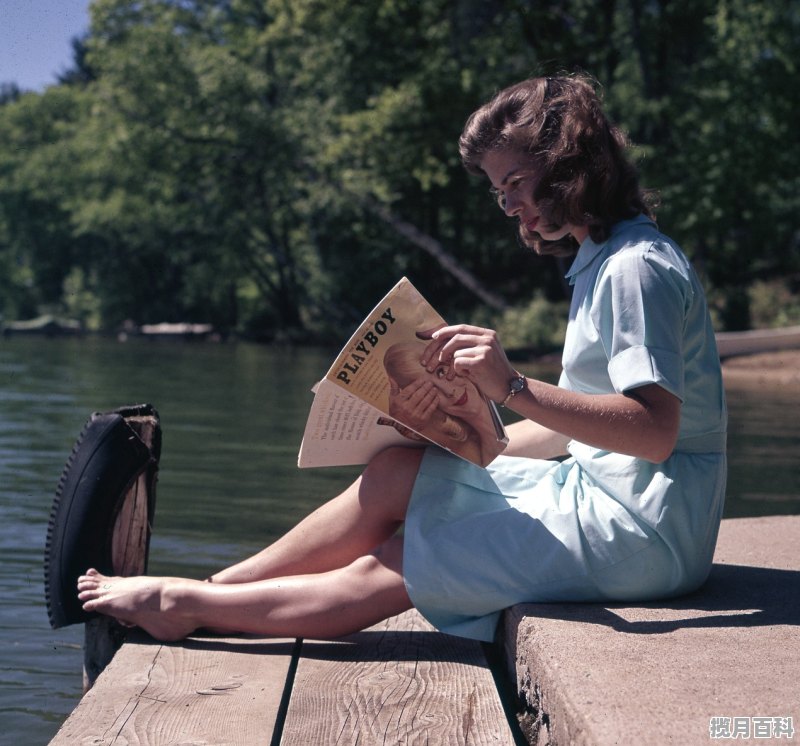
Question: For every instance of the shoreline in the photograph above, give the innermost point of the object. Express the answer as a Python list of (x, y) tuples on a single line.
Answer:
[(781, 369)]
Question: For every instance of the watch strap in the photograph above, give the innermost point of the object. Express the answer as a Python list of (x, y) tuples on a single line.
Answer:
[(517, 384)]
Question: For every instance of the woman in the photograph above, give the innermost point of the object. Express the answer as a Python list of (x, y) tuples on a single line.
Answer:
[(632, 514)]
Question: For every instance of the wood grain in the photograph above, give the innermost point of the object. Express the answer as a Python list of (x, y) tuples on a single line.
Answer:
[(211, 690), (398, 682)]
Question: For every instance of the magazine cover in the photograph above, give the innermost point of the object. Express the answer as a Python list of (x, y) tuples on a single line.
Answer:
[(351, 415)]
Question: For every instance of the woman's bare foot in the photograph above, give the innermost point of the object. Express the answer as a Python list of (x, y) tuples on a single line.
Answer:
[(141, 601)]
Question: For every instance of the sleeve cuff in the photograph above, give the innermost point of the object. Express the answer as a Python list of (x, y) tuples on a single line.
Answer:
[(640, 365)]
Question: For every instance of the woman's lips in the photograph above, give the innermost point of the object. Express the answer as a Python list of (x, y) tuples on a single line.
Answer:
[(531, 224), (463, 400)]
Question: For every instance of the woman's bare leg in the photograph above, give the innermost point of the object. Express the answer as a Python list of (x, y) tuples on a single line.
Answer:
[(351, 525), (323, 605)]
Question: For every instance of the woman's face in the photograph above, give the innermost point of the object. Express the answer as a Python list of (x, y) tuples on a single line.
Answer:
[(513, 181), (458, 397)]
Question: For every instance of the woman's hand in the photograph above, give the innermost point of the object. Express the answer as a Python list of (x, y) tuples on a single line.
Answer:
[(414, 404), (474, 353), (643, 422)]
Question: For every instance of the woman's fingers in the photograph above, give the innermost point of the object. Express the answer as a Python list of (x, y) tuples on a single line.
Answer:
[(467, 348), (427, 334), (447, 339), (415, 403), (424, 397), (472, 352)]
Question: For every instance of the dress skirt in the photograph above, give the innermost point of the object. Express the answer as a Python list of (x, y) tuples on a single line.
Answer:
[(523, 530)]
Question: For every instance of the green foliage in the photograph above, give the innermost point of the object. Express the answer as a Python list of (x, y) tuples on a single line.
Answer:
[(79, 300), (538, 326), (774, 304), (722, 143), (223, 161)]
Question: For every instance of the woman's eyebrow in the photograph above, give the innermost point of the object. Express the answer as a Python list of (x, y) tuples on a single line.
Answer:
[(511, 173)]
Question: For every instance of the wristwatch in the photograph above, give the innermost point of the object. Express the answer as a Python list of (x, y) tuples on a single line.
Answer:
[(515, 385)]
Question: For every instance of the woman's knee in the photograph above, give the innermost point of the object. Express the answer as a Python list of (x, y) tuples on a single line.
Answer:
[(388, 555), (381, 571), (388, 479), (394, 458)]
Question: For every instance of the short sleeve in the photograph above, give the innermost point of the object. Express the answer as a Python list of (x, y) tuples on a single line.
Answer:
[(639, 310)]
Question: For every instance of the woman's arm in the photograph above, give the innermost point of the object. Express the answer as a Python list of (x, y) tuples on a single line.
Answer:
[(531, 440), (642, 422)]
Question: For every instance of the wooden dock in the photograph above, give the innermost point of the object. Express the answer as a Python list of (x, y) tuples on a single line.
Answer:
[(398, 682)]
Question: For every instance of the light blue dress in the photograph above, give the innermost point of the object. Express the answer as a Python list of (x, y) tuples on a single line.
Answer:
[(598, 526)]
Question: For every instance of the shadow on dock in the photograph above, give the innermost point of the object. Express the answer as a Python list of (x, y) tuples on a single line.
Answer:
[(733, 596)]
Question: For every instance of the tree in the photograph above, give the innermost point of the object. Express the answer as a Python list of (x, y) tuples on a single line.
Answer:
[(9, 92), (81, 71), (188, 190), (36, 243), (273, 167), (706, 91)]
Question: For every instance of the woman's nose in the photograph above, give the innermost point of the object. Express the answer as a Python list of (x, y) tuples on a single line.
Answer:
[(512, 206)]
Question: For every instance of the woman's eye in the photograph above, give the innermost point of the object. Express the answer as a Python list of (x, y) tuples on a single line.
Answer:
[(440, 372)]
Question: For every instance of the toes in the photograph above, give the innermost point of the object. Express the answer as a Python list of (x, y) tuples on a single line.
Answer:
[(92, 579)]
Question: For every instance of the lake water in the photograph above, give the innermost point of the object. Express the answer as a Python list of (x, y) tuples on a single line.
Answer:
[(232, 417)]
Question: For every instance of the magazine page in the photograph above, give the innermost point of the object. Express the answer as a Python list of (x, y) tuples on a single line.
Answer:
[(381, 361), (343, 430)]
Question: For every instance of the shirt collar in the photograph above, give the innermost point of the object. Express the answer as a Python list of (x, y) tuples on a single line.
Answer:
[(589, 250)]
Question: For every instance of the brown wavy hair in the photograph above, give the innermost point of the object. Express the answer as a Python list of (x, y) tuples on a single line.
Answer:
[(585, 177)]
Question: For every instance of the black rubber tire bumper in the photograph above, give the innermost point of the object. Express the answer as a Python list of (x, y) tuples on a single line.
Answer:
[(105, 461)]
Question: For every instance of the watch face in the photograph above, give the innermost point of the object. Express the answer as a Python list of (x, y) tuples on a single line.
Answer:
[(517, 385)]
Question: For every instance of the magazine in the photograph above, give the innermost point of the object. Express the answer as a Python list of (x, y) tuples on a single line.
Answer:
[(350, 419)]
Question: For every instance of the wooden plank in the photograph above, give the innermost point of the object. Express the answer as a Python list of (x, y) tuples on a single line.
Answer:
[(395, 683), (204, 690), (130, 538)]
